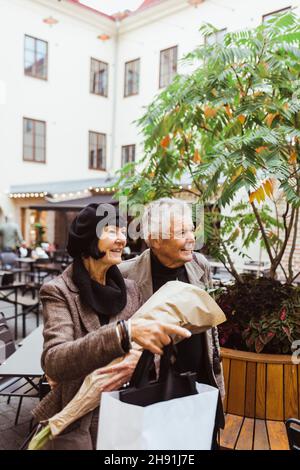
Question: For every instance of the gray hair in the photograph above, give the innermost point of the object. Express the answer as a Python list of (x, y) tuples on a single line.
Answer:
[(156, 220)]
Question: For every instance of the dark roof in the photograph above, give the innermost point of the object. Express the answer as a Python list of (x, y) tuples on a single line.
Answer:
[(74, 205)]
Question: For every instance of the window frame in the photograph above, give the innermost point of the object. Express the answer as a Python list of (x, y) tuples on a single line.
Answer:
[(160, 65), (107, 65), (33, 139), (47, 57), (125, 76), (98, 134), (215, 35), (124, 147), (275, 12)]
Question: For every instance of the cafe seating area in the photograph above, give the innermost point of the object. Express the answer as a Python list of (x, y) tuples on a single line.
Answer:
[(21, 376)]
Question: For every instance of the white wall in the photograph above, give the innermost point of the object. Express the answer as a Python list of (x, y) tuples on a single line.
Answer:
[(63, 101), (145, 41)]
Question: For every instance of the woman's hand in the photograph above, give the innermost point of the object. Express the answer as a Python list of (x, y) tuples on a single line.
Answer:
[(154, 335), (122, 371)]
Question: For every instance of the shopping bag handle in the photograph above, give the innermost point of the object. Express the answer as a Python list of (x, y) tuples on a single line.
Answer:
[(140, 376)]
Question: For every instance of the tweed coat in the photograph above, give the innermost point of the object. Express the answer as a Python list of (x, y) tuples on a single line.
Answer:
[(74, 343)]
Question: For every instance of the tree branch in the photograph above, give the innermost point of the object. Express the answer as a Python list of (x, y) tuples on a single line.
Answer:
[(278, 258), (284, 272), (191, 171), (277, 220), (293, 247), (284, 216), (238, 79), (263, 232), (233, 271), (295, 277), (295, 236)]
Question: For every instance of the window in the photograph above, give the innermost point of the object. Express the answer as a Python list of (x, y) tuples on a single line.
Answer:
[(97, 151), (128, 154), (34, 141), (168, 66), (216, 38), (99, 78), (268, 16), (132, 77), (36, 58)]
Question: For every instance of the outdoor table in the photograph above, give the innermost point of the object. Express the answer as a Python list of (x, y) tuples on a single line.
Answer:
[(215, 265), (21, 372), (27, 262), (256, 268), (54, 268), (26, 361)]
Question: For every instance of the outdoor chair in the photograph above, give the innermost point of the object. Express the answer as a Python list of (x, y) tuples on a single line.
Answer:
[(63, 257), (10, 387), (9, 262), (293, 432)]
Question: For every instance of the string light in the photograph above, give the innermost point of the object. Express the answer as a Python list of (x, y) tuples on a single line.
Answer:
[(88, 190)]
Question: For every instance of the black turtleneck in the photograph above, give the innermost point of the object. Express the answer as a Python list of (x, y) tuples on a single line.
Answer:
[(191, 351), (162, 274)]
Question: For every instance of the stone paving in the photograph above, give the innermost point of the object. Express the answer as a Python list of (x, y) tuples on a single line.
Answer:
[(11, 436)]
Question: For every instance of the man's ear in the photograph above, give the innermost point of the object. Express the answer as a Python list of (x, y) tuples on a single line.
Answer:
[(154, 243)]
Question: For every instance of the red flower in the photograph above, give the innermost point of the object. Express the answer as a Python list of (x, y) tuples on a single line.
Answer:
[(283, 314)]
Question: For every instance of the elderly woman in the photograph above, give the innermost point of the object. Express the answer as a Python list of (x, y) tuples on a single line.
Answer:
[(86, 326)]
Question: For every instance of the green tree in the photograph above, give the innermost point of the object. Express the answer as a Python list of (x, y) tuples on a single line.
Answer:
[(232, 125)]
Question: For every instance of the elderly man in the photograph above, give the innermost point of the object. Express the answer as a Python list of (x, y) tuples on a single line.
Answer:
[(169, 232)]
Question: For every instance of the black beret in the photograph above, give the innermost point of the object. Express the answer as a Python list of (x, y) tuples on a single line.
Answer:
[(83, 229)]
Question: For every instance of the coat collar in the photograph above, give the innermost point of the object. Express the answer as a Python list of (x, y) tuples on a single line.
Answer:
[(87, 315), (142, 275), (67, 276)]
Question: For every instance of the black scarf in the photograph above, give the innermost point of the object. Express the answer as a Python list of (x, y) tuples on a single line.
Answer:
[(106, 300), (162, 274)]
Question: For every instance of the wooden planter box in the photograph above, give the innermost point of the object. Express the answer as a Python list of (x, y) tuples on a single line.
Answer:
[(263, 386)]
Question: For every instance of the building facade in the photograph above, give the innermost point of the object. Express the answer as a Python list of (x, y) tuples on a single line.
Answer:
[(73, 81)]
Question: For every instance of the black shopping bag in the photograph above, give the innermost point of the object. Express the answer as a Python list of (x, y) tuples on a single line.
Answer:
[(170, 384)]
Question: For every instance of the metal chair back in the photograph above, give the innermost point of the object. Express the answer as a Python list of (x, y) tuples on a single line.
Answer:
[(293, 432), (7, 344)]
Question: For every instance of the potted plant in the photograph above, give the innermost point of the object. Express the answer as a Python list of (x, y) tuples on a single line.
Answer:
[(233, 126)]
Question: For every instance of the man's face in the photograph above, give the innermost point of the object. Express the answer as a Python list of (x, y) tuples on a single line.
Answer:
[(174, 249)]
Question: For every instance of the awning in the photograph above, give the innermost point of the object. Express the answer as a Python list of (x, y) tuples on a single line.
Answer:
[(75, 204), (67, 187)]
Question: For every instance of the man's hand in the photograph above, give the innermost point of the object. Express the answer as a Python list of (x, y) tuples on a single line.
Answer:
[(122, 371)]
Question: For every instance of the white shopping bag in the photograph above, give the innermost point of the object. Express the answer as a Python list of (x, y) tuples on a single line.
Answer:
[(181, 424)]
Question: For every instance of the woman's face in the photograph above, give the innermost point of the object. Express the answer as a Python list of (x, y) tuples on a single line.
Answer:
[(112, 242)]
